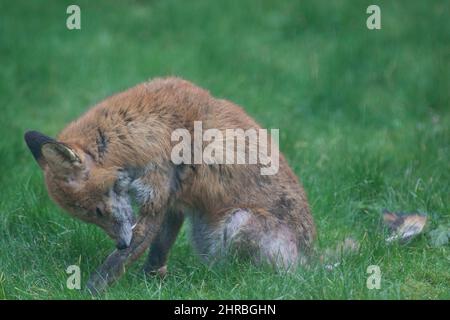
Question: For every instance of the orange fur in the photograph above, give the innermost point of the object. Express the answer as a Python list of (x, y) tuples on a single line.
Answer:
[(131, 131)]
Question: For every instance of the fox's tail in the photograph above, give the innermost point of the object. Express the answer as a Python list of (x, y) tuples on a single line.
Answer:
[(402, 226)]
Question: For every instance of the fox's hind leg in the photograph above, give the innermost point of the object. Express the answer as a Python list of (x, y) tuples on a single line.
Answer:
[(256, 234), (250, 233), (160, 247)]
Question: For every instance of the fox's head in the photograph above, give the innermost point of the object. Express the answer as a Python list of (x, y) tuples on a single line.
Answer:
[(83, 188)]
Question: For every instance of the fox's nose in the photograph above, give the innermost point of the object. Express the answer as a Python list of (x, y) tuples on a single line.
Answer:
[(121, 244)]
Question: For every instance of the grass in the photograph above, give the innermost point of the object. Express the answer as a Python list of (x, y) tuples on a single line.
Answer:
[(363, 115)]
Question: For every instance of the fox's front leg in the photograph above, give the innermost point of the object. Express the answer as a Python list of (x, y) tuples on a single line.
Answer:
[(160, 247)]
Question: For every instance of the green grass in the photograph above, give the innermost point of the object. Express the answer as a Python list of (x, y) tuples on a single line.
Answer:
[(363, 115)]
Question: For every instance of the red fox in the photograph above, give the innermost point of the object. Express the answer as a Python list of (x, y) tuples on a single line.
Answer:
[(120, 151)]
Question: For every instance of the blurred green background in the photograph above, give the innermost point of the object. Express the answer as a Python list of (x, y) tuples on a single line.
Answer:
[(363, 116)]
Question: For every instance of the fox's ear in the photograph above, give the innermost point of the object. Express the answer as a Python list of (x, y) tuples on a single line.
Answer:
[(35, 141), (60, 158)]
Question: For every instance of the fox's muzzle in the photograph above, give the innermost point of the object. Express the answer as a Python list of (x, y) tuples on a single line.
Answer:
[(122, 244), (125, 234)]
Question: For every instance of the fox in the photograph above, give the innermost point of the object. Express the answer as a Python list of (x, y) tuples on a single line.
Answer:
[(118, 154)]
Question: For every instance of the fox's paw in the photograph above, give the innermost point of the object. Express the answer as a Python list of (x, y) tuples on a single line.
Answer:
[(96, 284), (160, 272)]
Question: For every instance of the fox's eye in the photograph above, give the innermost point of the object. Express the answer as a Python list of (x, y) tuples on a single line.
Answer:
[(98, 212)]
